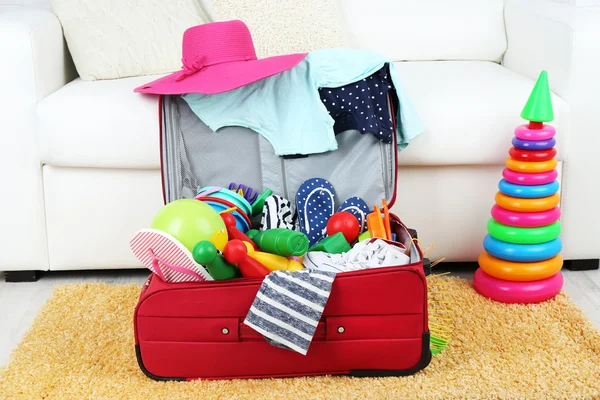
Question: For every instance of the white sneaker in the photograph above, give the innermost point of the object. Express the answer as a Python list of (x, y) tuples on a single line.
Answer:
[(370, 253)]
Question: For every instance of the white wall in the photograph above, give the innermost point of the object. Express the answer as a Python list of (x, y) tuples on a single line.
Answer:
[(580, 3), (8, 4)]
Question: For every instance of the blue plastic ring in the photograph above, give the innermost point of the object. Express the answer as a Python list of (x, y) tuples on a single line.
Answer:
[(528, 192), (521, 252), (240, 222), (533, 144)]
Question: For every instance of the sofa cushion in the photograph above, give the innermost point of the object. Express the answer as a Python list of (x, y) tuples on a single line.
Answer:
[(426, 29), (286, 26), (470, 110), (100, 124), (111, 39)]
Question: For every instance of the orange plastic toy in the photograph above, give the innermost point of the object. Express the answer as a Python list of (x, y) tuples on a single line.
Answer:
[(375, 224), (386, 220)]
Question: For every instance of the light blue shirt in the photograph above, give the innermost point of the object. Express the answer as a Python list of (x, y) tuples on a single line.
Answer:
[(286, 108)]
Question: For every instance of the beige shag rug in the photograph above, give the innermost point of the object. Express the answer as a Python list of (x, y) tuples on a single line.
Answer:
[(81, 347)]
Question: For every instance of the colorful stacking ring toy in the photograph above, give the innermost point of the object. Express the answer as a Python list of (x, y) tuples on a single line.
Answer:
[(525, 219), (532, 155), (523, 178), (533, 144), (521, 252), (530, 167), (523, 132), (517, 292), (527, 205), (516, 271), (528, 192), (243, 222), (513, 234), (240, 222), (229, 195)]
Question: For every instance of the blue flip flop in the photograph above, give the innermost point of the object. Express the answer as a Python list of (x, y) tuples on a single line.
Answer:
[(357, 207), (315, 202)]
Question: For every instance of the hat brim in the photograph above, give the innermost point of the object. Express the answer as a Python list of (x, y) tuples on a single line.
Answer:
[(222, 77)]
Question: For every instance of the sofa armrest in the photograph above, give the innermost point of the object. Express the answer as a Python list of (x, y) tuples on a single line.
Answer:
[(34, 63), (35, 59), (540, 36), (563, 39)]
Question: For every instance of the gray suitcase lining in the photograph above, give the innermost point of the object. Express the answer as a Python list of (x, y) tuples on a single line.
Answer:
[(194, 156)]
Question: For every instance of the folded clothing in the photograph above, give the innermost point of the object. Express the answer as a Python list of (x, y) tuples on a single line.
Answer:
[(288, 307), (369, 253)]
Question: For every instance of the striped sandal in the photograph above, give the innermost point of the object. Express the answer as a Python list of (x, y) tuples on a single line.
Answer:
[(165, 256)]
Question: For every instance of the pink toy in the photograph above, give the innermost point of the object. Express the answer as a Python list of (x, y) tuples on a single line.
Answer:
[(517, 292), (525, 219), (525, 132), (529, 179)]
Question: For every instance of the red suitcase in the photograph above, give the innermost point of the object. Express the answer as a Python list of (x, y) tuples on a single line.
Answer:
[(374, 324)]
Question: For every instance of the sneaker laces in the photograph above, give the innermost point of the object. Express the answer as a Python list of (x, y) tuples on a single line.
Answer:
[(361, 256)]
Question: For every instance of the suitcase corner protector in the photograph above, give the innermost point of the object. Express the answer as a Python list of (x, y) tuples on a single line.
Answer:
[(138, 356), (380, 373)]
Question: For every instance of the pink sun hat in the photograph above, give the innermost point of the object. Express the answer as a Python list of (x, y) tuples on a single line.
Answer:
[(218, 57)]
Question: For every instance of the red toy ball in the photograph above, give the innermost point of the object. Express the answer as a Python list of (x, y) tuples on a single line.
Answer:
[(344, 222)]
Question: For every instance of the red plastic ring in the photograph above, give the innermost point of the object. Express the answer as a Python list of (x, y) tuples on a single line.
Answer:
[(228, 204), (528, 155)]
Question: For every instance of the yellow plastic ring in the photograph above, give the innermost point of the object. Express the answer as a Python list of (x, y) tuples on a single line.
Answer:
[(519, 271), (527, 205), (530, 167)]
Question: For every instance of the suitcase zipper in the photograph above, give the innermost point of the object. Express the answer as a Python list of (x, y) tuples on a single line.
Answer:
[(284, 179)]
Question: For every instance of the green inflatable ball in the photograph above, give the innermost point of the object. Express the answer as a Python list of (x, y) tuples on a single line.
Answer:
[(191, 221)]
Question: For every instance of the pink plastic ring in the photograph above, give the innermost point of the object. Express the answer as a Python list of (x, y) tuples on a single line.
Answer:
[(525, 219), (524, 133), (529, 179), (517, 292)]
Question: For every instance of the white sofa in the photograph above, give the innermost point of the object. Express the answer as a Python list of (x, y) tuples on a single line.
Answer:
[(79, 160)]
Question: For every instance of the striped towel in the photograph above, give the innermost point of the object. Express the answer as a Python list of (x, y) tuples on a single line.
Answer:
[(288, 307)]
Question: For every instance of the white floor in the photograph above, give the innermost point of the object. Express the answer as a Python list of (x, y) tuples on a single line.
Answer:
[(20, 302)]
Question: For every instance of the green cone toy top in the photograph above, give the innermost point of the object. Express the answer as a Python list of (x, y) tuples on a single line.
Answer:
[(539, 104)]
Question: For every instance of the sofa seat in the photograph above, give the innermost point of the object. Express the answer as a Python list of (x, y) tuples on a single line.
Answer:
[(104, 124), (100, 124)]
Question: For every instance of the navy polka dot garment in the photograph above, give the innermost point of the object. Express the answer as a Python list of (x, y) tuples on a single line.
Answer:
[(362, 105)]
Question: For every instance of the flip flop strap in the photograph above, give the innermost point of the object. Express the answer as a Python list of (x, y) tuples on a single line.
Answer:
[(362, 213), (305, 209), (185, 271)]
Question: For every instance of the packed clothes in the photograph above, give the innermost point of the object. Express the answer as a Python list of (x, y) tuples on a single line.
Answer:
[(302, 124)]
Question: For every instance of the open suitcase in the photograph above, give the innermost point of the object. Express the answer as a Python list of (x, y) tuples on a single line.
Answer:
[(375, 322)]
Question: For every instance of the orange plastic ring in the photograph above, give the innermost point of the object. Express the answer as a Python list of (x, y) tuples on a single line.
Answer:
[(530, 167), (519, 271), (527, 205)]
